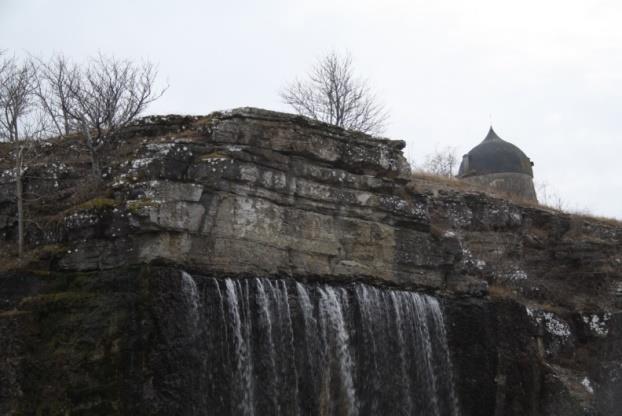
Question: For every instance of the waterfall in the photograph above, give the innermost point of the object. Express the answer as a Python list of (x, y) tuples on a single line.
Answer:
[(278, 347), (191, 296)]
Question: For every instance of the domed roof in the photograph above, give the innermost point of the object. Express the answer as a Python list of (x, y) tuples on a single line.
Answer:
[(495, 155)]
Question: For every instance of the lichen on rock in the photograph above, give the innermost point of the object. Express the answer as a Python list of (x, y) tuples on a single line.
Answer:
[(105, 299)]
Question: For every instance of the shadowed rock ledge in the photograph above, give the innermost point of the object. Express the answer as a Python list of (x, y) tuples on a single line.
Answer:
[(92, 321)]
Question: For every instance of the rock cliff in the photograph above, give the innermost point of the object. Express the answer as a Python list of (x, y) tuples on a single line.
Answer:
[(98, 319)]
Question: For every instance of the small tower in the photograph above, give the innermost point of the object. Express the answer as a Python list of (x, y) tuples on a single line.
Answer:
[(500, 165)]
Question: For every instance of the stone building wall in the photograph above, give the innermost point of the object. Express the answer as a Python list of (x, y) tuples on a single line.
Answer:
[(518, 184)]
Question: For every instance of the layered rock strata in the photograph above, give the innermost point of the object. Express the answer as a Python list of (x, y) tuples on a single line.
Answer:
[(94, 320)]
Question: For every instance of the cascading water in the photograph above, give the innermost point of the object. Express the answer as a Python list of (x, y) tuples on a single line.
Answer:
[(277, 347)]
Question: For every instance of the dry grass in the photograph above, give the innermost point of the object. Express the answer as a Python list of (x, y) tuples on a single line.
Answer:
[(425, 181), (502, 292), (429, 182), (434, 182), (596, 218), (31, 258)]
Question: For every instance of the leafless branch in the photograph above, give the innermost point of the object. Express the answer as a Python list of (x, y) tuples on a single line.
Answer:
[(442, 162), (17, 84), (55, 78), (106, 96), (331, 93)]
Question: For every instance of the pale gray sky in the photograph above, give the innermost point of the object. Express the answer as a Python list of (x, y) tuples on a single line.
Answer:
[(549, 72)]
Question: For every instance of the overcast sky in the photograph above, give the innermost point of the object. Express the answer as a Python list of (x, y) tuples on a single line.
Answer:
[(548, 73)]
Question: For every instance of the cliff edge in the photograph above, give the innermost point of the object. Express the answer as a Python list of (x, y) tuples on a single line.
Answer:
[(94, 319)]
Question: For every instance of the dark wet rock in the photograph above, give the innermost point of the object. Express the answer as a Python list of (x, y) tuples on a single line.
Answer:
[(97, 320)]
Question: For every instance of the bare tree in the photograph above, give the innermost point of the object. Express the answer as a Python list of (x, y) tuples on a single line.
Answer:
[(442, 162), (17, 87), (106, 96), (56, 78), (37, 98), (331, 93)]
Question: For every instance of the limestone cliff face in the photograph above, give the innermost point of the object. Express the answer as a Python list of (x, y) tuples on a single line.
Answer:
[(96, 320)]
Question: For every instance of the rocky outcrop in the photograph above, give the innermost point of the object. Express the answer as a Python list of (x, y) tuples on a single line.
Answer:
[(95, 321)]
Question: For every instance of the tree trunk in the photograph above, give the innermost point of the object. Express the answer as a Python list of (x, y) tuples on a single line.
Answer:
[(19, 191), (95, 164), (95, 169), (66, 124)]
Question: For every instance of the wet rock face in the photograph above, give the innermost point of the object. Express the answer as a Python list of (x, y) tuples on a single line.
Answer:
[(276, 346), (530, 298)]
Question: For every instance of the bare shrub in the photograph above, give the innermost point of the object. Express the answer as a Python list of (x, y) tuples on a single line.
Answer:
[(442, 162), (333, 94), (548, 197)]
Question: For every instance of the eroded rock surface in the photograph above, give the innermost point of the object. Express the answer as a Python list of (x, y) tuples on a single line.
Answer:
[(93, 323)]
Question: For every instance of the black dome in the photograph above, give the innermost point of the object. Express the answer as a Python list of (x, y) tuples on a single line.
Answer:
[(495, 155)]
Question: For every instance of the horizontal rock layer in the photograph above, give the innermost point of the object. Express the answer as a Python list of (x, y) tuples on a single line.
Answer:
[(532, 296)]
